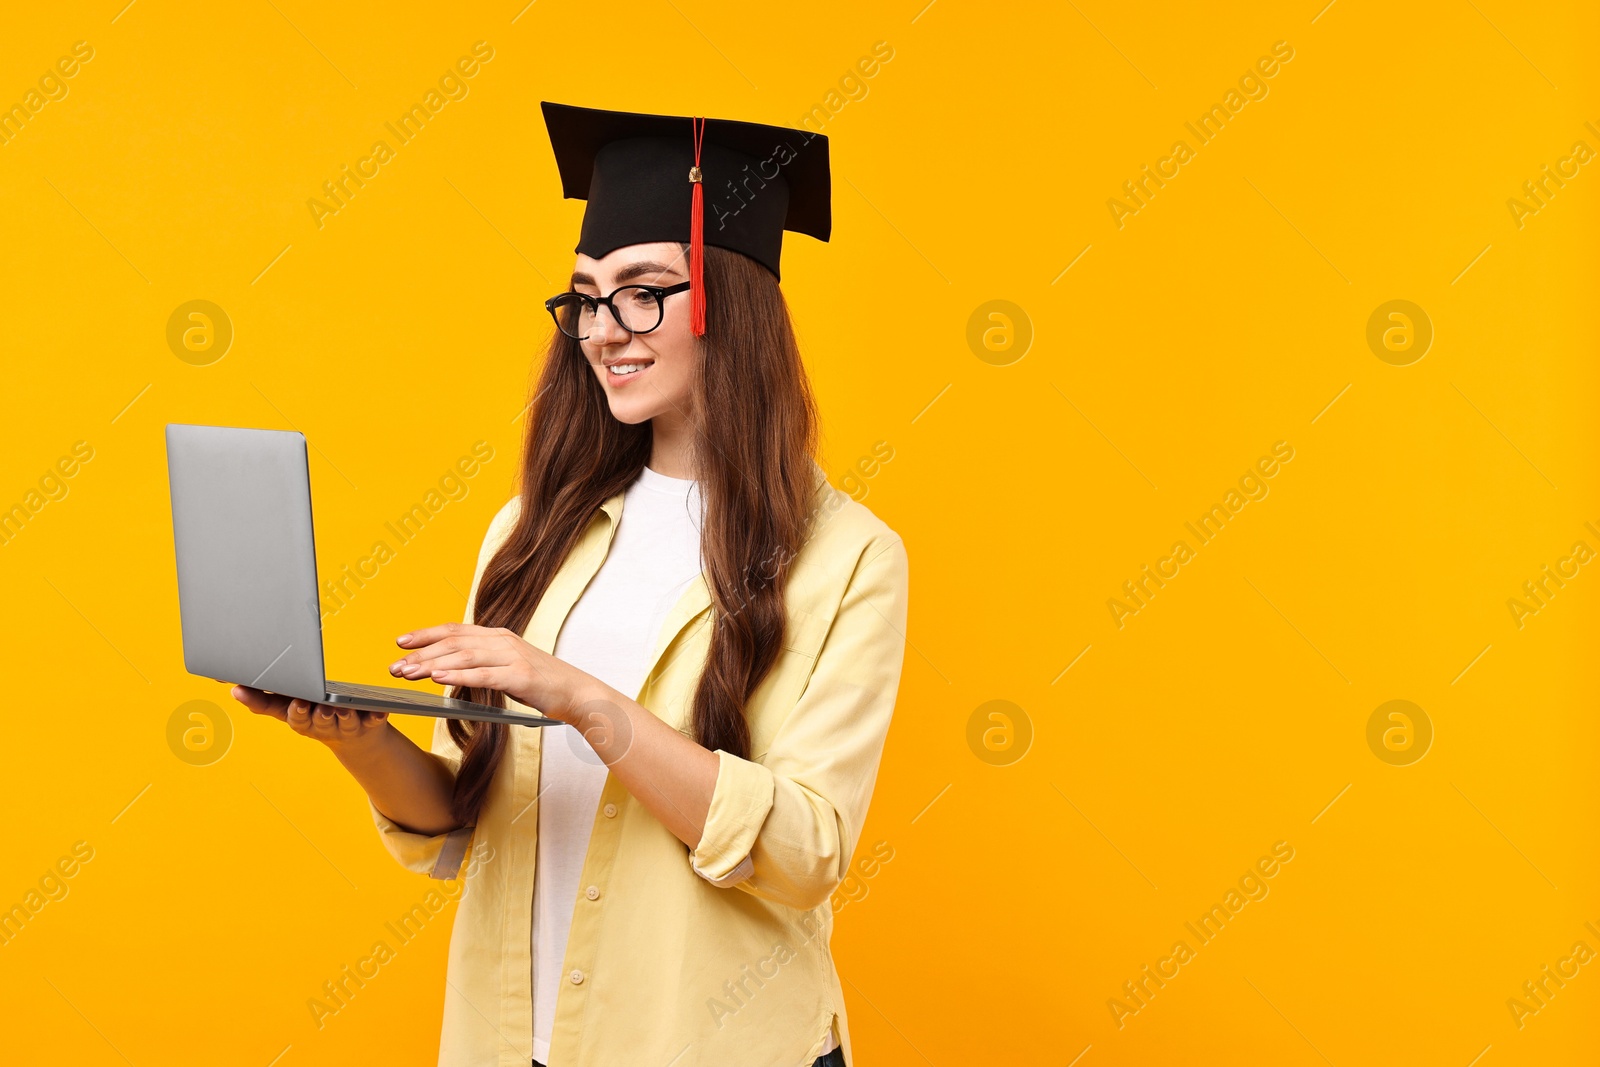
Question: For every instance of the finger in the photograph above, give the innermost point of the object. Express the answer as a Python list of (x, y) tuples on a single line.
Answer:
[(473, 677), (429, 634), (322, 720), (248, 696), (372, 719), (466, 657), (478, 637), (348, 721), (492, 672), (481, 650), (428, 652), (262, 703), (299, 716)]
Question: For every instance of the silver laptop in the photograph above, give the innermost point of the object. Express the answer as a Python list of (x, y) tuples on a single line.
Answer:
[(247, 574)]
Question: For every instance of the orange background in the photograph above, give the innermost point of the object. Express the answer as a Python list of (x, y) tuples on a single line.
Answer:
[(1166, 355)]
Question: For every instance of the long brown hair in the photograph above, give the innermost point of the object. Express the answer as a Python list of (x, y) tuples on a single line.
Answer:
[(754, 442)]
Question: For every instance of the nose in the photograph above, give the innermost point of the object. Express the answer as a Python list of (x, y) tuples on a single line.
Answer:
[(606, 329)]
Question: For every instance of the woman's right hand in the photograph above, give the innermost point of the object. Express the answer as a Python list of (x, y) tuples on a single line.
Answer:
[(409, 786), (341, 729)]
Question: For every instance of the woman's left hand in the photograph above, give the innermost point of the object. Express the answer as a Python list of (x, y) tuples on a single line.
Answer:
[(461, 654)]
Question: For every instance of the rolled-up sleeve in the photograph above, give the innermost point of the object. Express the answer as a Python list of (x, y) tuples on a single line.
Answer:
[(784, 828), (441, 855), (435, 855)]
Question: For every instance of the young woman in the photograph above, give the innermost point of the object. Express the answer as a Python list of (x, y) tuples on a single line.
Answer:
[(722, 630)]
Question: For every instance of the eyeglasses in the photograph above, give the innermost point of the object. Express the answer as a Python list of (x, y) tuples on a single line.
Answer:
[(637, 308)]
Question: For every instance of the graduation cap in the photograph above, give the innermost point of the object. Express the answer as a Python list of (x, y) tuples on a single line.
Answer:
[(736, 185)]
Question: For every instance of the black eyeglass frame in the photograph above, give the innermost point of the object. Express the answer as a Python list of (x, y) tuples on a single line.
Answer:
[(660, 292)]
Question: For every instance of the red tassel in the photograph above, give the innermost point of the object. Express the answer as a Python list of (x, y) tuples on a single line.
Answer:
[(697, 290)]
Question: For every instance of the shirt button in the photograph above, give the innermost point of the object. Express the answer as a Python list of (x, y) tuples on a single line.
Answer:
[(611, 811), (593, 892), (577, 977)]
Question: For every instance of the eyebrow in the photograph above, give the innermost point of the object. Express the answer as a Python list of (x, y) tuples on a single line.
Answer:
[(631, 271)]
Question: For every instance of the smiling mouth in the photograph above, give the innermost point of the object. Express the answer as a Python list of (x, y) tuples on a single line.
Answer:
[(628, 368)]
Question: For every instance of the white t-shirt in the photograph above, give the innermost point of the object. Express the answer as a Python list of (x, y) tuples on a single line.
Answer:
[(610, 633)]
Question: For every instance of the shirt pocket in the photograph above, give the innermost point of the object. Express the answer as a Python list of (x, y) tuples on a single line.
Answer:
[(804, 633), (779, 691)]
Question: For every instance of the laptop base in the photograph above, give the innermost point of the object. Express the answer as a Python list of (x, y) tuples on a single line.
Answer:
[(407, 702)]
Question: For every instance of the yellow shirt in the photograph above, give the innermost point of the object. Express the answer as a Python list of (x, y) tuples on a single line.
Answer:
[(703, 957)]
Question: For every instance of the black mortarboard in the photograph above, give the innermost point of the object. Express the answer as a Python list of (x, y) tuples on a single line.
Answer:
[(736, 185)]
